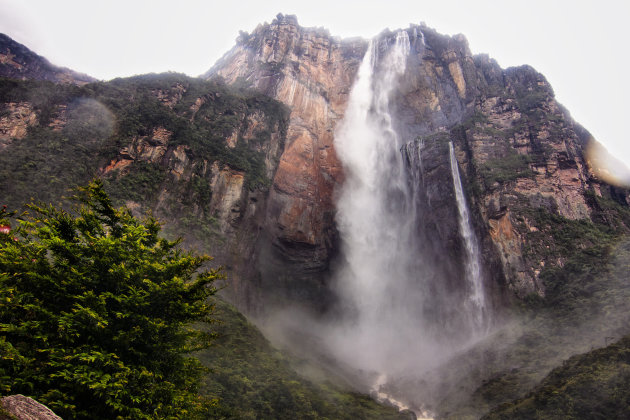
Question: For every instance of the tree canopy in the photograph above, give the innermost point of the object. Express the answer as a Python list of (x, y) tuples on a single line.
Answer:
[(97, 312)]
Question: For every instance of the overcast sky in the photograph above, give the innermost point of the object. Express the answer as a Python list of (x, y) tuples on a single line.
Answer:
[(580, 46)]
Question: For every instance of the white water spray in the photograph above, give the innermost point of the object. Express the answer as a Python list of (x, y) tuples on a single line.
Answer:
[(369, 218), (399, 316), (475, 298)]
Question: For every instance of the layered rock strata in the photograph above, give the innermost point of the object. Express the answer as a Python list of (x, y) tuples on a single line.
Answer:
[(517, 147), (19, 407)]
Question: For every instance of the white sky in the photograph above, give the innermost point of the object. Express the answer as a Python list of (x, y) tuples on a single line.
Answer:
[(580, 46)]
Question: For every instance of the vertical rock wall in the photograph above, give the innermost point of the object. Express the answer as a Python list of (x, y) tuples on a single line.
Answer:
[(312, 73), (518, 148)]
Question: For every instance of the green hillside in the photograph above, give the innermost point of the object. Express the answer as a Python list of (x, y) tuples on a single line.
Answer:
[(593, 385), (252, 380)]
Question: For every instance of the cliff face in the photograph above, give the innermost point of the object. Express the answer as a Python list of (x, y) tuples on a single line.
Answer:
[(217, 201), (254, 181), (15, 120), (523, 155), (312, 73), (519, 150)]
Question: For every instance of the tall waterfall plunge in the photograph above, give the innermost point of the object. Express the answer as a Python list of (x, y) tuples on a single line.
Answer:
[(372, 215), (403, 294), (402, 313)]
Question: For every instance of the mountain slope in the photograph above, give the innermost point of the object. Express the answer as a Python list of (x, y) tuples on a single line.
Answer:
[(18, 62), (252, 380), (590, 385), (546, 218), (199, 155), (311, 72), (586, 307), (518, 149)]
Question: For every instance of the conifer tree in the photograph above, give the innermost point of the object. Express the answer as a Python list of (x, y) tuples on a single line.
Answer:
[(97, 312)]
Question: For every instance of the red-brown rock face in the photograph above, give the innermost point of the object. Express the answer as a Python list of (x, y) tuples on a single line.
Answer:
[(312, 73), (518, 150), (524, 154)]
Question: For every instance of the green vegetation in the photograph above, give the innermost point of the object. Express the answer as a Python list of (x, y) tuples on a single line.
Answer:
[(142, 184), (221, 110), (252, 380), (588, 386), (97, 321), (96, 313), (504, 169), (104, 338), (584, 250), (43, 166), (532, 100), (507, 165), (79, 130)]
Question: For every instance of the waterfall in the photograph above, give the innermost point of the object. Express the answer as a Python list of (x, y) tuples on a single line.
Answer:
[(372, 209), (475, 299), (401, 304)]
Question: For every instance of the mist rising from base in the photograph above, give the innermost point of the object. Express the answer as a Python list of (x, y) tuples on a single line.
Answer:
[(395, 318)]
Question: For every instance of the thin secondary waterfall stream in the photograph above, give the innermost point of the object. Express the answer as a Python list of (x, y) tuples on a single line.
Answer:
[(475, 298)]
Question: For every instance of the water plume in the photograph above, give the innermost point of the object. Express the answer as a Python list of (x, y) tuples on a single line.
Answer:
[(370, 212), (399, 316)]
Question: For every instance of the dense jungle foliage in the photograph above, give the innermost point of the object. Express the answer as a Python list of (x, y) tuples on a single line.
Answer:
[(252, 380), (587, 386)]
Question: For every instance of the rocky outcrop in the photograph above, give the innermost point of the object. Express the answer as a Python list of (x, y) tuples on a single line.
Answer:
[(170, 97), (519, 149), (522, 152), (19, 407), (150, 148), (18, 62), (199, 154), (211, 190), (14, 121)]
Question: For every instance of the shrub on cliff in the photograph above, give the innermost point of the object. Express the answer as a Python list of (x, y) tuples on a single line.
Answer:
[(96, 312)]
